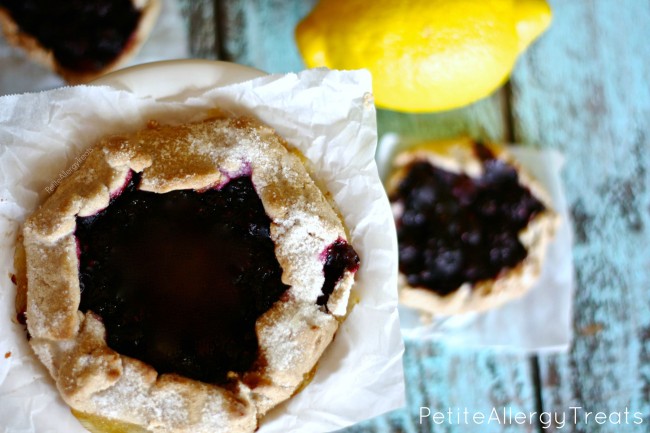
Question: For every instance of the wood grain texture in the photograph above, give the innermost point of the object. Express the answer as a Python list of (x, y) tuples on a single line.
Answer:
[(260, 33), (200, 17), (484, 119), (442, 378), (583, 89)]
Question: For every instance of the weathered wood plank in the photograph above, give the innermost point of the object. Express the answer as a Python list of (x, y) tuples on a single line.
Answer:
[(260, 33), (484, 119), (200, 18), (583, 89), (441, 379)]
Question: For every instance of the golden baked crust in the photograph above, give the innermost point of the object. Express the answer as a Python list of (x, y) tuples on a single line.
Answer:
[(37, 52), (458, 156), (103, 385)]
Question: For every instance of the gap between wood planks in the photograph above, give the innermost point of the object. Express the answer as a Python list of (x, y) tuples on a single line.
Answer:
[(509, 129), (220, 29), (537, 386)]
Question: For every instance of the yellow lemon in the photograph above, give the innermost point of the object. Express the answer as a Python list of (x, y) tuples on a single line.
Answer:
[(424, 55)]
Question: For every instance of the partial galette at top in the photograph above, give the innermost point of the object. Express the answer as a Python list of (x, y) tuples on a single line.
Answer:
[(79, 40)]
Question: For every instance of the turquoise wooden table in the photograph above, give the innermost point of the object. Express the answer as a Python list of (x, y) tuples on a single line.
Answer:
[(583, 89)]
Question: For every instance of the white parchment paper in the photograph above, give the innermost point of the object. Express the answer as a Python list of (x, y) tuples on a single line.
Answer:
[(168, 40), (541, 320), (330, 117)]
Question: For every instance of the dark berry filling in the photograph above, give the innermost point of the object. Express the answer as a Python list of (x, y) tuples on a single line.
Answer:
[(179, 279), (456, 229), (339, 258), (84, 35)]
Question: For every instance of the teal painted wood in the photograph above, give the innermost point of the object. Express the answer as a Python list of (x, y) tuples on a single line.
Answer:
[(260, 33), (441, 379), (200, 17), (485, 119), (584, 89)]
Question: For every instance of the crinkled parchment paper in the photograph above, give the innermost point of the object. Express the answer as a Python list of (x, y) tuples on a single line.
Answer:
[(330, 117), (539, 321), (168, 40)]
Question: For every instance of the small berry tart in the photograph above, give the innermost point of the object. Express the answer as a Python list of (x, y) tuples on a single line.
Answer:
[(79, 40), (185, 279), (472, 226)]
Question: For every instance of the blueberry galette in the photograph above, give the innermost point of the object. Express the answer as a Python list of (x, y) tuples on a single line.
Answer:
[(185, 279), (472, 226), (79, 40)]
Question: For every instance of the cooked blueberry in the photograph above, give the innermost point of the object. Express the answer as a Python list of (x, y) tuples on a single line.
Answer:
[(470, 227), (422, 198), (409, 254), (497, 172), (340, 257), (413, 279), (413, 218), (488, 206), (464, 189), (449, 262), (471, 237)]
